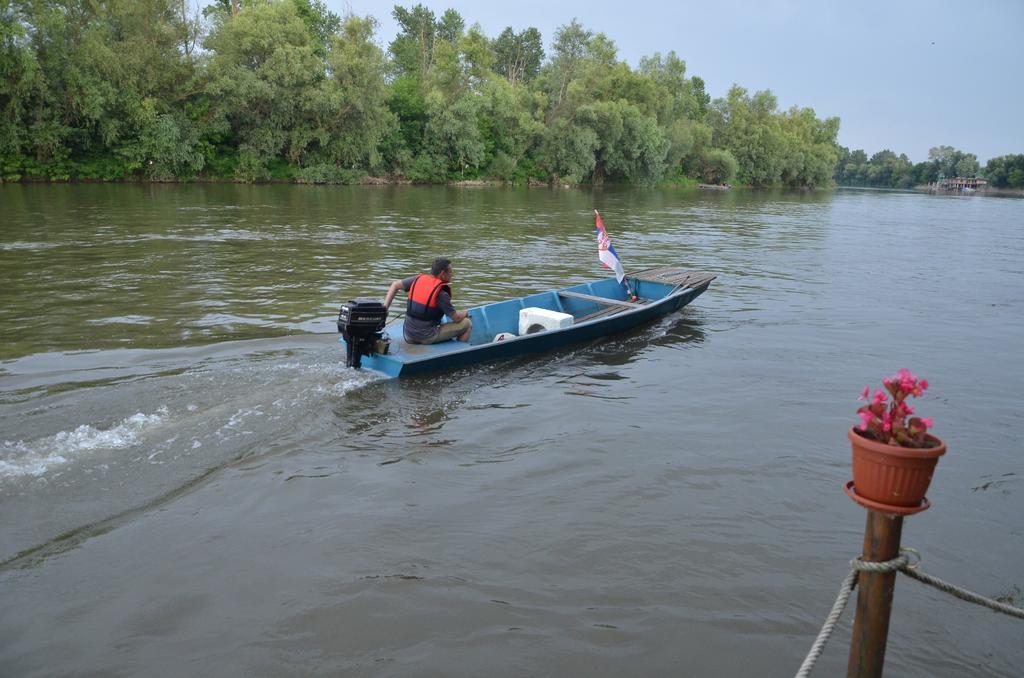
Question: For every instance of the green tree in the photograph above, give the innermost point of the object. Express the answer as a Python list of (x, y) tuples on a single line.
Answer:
[(452, 140), (434, 76), (285, 89), (18, 78), (884, 169), (950, 162), (602, 117), (409, 107), (811, 151), (794, 148), (718, 166), (477, 55), (967, 166), (681, 98), (637, 154), (153, 81), (691, 141), (518, 55), (322, 23), (412, 50), (511, 121), (357, 105), (926, 172), (748, 127), (850, 167), (880, 169), (700, 96), (607, 139), (571, 46), (267, 80), (111, 85), (998, 170), (568, 150)]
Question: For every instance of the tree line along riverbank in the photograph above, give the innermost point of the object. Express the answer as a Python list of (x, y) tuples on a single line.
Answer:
[(285, 90)]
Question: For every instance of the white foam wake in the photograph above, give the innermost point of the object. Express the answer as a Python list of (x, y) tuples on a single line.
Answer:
[(36, 457)]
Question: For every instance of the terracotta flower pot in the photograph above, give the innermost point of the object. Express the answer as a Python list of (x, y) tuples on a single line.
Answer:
[(890, 474)]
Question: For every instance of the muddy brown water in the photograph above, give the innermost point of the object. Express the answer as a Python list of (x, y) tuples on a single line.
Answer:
[(191, 483)]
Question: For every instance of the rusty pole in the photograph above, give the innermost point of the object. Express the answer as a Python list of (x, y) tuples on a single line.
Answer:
[(874, 599)]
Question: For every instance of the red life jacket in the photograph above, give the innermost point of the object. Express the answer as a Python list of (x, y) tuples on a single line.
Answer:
[(423, 298)]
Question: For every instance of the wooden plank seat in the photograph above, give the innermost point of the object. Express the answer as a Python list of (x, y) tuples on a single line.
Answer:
[(599, 300), (604, 312)]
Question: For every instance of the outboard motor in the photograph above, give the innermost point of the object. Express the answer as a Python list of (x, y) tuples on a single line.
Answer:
[(361, 323)]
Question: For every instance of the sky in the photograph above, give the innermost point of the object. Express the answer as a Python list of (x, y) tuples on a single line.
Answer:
[(903, 75)]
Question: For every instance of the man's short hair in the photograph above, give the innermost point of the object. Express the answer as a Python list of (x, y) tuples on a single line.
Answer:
[(440, 266)]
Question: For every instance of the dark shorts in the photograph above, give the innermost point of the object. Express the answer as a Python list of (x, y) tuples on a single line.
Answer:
[(443, 333)]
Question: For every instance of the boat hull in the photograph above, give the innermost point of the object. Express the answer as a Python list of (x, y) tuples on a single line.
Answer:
[(658, 299)]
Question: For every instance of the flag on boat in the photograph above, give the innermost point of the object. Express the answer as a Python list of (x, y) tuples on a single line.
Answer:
[(605, 251)]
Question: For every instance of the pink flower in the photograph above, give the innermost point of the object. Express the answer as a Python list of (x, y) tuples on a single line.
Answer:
[(907, 381), (888, 421)]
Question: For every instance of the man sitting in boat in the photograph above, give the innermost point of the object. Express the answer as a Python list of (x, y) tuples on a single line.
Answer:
[(430, 299)]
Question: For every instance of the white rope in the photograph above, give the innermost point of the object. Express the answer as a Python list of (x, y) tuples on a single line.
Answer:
[(830, 623), (964, 594), (897, 563), (901, 563)]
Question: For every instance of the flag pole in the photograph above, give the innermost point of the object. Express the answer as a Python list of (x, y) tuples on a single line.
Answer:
[(625, 281)]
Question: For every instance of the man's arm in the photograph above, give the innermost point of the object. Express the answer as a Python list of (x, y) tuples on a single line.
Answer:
[(392, 291), (444, 300)]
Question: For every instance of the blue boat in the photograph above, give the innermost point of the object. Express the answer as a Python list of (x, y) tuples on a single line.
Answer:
[(597, 309)]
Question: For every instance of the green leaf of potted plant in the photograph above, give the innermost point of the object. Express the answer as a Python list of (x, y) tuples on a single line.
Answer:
[(894, 455)]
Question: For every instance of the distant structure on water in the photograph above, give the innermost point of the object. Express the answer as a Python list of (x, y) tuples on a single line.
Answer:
[(960, 184)]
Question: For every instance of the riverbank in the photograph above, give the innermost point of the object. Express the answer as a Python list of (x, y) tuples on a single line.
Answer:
[(987, 191), (355, 180), (925, 188), (365, 180)]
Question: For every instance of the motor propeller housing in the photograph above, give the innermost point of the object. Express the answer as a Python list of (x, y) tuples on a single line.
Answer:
[(361, 324)]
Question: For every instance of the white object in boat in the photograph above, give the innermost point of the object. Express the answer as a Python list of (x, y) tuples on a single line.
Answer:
[(540, 319)]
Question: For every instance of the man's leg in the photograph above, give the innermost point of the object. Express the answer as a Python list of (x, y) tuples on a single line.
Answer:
[(461, 329)]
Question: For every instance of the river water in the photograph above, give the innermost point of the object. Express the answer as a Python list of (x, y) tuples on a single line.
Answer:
[(191, 482)]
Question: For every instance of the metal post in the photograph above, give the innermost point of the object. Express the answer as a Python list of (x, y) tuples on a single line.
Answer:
[(874, 599)]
